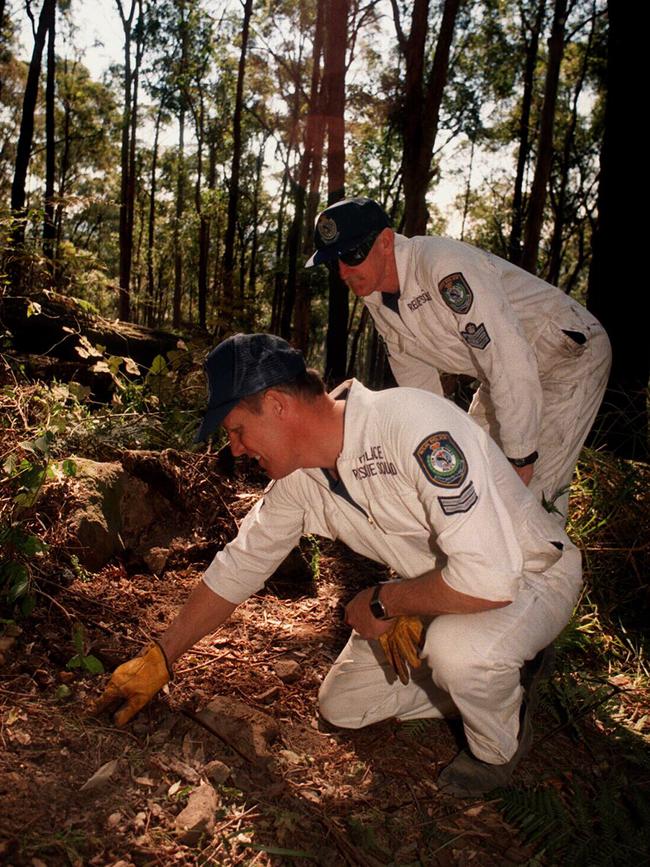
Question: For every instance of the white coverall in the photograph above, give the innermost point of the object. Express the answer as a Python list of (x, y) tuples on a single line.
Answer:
[(429, 489), (541, 358)]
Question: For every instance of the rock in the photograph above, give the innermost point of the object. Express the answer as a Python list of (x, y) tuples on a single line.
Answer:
[(197, 819), (95, 524), (216, 771), (287, 670), (156, 559), (183, 770), (247, 730), (6, 643)]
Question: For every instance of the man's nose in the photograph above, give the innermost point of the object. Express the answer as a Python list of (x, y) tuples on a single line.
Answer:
[(236, 447)]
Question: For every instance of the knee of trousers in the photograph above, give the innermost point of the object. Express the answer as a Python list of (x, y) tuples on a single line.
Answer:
[(451, 653), (337, 706)]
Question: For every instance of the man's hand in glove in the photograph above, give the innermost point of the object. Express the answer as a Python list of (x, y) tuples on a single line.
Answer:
[(135, 682), (400, 645)]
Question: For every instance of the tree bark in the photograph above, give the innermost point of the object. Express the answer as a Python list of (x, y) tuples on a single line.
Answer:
[(535, 218), (623, 420), (422, 106), (514, 242), (334, 84), (49, 229), (233, 191), (26, 135)]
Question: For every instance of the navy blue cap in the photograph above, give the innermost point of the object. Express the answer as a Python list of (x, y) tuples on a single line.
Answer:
[(243, 365), (345, 225)]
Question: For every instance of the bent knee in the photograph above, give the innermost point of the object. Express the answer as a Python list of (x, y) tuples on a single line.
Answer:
[(336, 711)]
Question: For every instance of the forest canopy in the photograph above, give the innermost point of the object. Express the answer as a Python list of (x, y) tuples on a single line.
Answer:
[(178, 188)]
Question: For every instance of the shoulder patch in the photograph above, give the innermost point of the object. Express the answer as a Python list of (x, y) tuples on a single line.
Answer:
[(456, 293), (463, 502), (442, 460), (476, 335)]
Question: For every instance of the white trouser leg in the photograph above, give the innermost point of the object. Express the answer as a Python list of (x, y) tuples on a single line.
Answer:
[(361, 688), (572, 394), (471, 665)]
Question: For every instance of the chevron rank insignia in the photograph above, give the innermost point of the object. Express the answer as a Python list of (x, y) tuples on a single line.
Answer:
[(441, 460), (476, 336), (456, 293), (461, 503)]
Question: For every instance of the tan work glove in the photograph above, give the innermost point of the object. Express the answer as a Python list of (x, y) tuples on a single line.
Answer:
[(135, 681), (400, 645)]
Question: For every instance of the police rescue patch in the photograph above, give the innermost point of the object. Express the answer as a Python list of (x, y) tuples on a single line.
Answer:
[(476, 336), (441, 460), (456, 292)]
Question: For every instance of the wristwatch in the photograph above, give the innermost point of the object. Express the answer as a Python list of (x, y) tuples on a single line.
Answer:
[(524, 462), (377, 607)]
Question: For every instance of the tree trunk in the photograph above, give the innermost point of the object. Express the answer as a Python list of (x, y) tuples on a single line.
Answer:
[(49, 229), (127, 183), (180, 207), (26, 135), (233, 192), (422, 107), (334, 83), (151, 234), (309, 175), (514, 242), (537, 201), (623, 420), (560, 200)]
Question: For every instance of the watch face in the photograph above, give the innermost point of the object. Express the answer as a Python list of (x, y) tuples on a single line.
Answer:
[(377, 609)]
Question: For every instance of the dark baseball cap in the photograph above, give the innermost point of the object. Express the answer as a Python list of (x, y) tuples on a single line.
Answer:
[(345, 225), (243, 365)]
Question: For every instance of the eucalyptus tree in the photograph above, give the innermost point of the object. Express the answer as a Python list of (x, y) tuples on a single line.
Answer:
[(424, 85), (132, 17), (26, 135), (614, 264)]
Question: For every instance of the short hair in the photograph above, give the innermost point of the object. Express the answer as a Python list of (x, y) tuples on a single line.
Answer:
[(308, 386)]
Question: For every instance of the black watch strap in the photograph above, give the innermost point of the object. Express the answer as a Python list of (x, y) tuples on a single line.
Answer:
[(377, 608), (524, 462)]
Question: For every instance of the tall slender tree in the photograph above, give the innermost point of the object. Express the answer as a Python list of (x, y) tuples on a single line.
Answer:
[(233, 184), (25, 138)]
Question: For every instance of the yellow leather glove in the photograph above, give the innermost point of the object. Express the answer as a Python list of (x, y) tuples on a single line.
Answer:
[(400, 645), (136, 682)]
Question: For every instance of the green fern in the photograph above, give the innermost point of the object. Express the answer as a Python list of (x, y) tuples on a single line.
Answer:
[(606, 827)]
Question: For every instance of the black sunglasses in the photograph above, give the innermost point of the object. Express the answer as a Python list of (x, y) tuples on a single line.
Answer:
[(356, 255)]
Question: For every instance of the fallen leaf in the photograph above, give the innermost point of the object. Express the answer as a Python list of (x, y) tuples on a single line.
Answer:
[(173, 788), (101, 776)]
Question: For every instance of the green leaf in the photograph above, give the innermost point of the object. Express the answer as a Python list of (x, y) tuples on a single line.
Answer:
[(92, 664), (78, 638), (29, 544), (62, 692), (27, 604), (158, 366), (17, 579), (75, 662), (69, 467)]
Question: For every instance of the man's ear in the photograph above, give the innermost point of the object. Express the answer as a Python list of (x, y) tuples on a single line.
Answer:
[(277, 401)]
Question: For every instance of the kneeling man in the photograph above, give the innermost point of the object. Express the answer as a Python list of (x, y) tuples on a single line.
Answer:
[(406, 478)]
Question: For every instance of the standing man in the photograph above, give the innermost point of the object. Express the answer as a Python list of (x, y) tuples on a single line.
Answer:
[(542, 360), (409, 480)]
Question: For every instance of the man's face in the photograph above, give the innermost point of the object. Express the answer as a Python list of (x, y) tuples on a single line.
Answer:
[(262, 437), (371, 275)]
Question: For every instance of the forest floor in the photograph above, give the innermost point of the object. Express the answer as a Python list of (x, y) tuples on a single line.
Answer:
[(292, 794)]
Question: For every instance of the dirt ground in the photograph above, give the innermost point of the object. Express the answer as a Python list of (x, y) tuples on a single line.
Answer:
[(304, 797)]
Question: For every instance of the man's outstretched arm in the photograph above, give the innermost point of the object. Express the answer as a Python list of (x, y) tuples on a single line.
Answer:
[(135, 683), (203, 613)]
